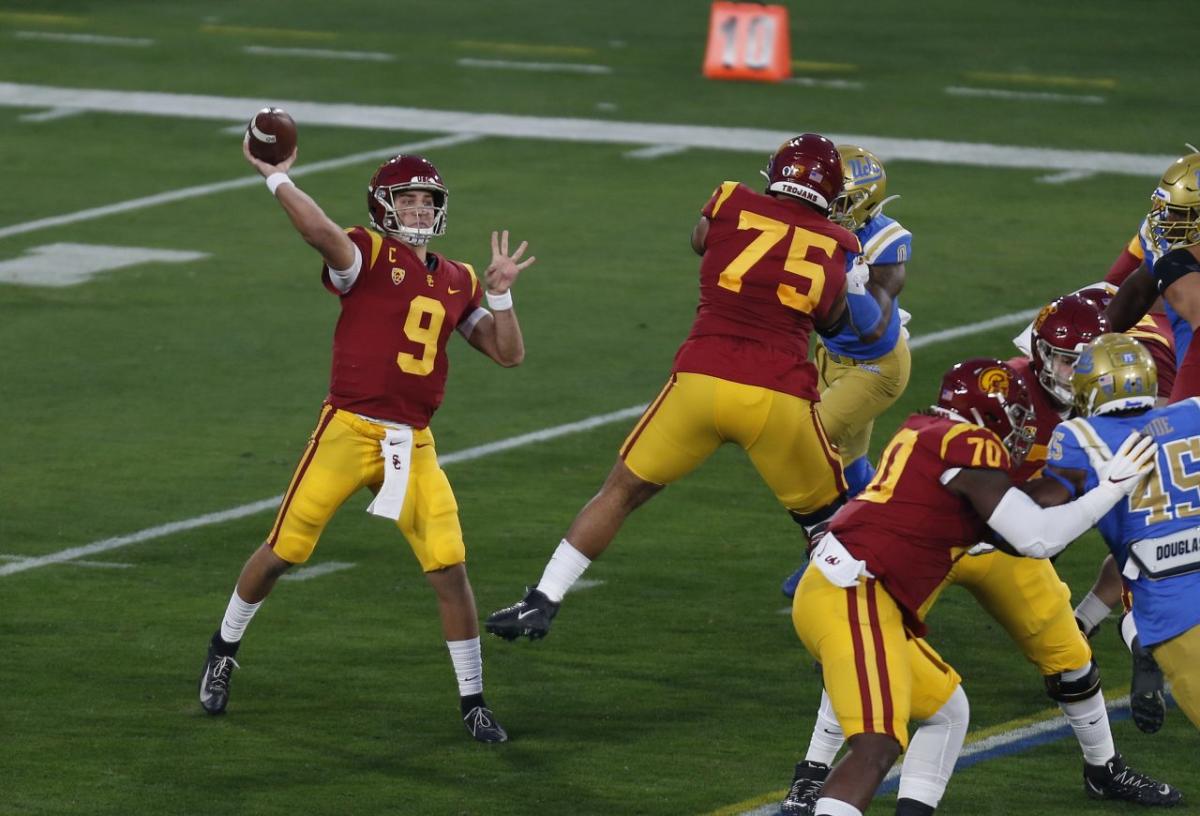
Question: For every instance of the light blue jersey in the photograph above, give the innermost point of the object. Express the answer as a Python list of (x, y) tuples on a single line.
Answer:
[(884, 241), (1153, 248), (1154, 534)]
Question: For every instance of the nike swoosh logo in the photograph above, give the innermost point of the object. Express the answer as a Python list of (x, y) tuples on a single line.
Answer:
[(525, 614), (453, 291), (423, 444), (1093, 722)]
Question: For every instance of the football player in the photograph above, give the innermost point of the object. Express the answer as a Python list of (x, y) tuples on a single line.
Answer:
[(1170, 240), (1153, 534), (864, 369), (942, 486), (1025, 596), (773, 268), (399, 302)]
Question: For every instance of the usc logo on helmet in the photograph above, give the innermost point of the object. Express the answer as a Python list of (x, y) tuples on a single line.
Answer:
[(994, 381)]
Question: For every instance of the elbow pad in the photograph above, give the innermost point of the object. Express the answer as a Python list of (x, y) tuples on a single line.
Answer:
[(1042, 532)]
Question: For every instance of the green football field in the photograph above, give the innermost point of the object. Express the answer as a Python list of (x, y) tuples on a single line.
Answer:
[(157, 397)]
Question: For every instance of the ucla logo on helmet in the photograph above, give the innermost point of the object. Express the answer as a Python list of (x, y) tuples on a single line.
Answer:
[(864, 169), (994, 381), (1085, 363)]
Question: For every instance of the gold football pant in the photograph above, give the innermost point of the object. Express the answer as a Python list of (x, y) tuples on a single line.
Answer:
[(877, 676), (855, 392), (1027, 598), (1179, 659), (342, 456), (695, 413)]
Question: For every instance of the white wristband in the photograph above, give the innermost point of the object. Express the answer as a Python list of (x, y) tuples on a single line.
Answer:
[(501, 302), (277, 180)]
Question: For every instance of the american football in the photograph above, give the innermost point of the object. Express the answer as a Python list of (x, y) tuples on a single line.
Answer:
[(272, 135)]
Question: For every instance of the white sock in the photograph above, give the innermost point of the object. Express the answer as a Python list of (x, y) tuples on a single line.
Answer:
[(1089, 721), (827, 736), (1128, 630), (1091, 611), (468, 665), (933, 750), (835, 807), (562, 570), (237, 618)]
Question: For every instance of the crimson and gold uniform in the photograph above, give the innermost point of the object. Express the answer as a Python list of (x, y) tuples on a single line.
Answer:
[(389, 371), (1025, 595), (908, 529), (771, 268)]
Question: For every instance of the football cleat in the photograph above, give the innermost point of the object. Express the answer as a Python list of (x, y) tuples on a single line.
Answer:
[(214, 681), (1146, 700), (1116, 780), (805, 790), (529, 617), (482, 725)]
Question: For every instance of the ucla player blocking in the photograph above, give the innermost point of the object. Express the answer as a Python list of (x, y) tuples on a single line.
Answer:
[(865, 368), (1153, 535)]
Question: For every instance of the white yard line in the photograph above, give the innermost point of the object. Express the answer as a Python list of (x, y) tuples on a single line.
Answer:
[(316, 571), (51, 115), (318, 53), (540, 67), (186, 193), (381, 117), (477, 452), (83, 39), (1065, 177), (655, 151), (1026, 96), (813, 82)]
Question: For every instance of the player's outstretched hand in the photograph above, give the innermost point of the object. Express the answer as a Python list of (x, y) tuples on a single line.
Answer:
[(1133, 460), (264, 168), (502, 272)]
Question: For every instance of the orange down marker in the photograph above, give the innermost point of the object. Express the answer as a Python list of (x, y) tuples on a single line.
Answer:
[(748, 41)]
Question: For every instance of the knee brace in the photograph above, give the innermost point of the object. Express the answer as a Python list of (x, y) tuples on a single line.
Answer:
[(1064, 688)]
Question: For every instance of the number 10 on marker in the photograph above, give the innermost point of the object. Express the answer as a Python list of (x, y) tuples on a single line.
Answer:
[(748, 41)]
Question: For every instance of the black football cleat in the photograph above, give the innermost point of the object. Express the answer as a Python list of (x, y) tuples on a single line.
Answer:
[(1116, 780), (482, 725), (214, 680), (1146, 700), (806, 789), (529, 617)]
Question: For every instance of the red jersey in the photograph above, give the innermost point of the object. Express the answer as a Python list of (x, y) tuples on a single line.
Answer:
[(1046, 416), (1155, 333), (1131, 257), (389, 346), (771, 267), (906, 525)]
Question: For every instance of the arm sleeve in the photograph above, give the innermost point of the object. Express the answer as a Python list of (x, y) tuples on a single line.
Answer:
[(1043, 532), (343, 279)]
